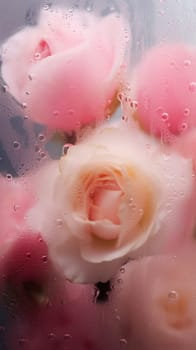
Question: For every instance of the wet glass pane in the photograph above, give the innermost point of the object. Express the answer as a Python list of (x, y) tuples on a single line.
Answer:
[(97, 175)]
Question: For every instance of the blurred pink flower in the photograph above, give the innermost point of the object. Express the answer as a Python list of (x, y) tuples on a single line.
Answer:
[(112, 194), (46, 311), (156, 302), (16, 199), (39, 308), (26, 269), (66, 71), (165, 90)]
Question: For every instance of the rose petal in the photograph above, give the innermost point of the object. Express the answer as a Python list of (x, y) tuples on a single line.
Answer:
[(102, 208)]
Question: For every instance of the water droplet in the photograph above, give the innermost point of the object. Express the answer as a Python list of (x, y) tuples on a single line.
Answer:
[(78, 125), (59, 222), (187, 63), (66, 148), (120, 96), (119, 281), (37, 148), (4, 88), (123, 341), (16, 207), (112, 8), (187, 112), (126, 36), (161, 12), (125, 118), (122, 270), (28, 255), (67, 336), (108, 117), (192, 86), (166, 156), (71, 112), (110, 101), (97, 293), (56, 113), (44, 258), (134, 104), (41, 137), (184, 126), (164, 116), (23, 342), (24, 105), (9, 177), (141, 212), (89, 6), (16, 145), (172, 295), (46, 7), (51, 336), (172, 63), (30, 77), (37, 56), (27, 93), (42, 155)]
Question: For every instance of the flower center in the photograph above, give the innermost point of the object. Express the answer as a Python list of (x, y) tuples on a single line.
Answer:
[(104, 202)]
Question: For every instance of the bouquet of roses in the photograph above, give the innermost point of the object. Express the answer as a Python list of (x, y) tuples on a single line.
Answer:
[(108, 229)]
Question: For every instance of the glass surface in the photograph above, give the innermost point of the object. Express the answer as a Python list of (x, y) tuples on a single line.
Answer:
[(97, 185)]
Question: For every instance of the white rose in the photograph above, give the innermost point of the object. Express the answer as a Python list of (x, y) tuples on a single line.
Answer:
[(112, 192)]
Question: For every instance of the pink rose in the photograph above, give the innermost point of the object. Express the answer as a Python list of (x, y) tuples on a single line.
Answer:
[(66, 70), (165, 90), (109, 196), (156, 303)]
